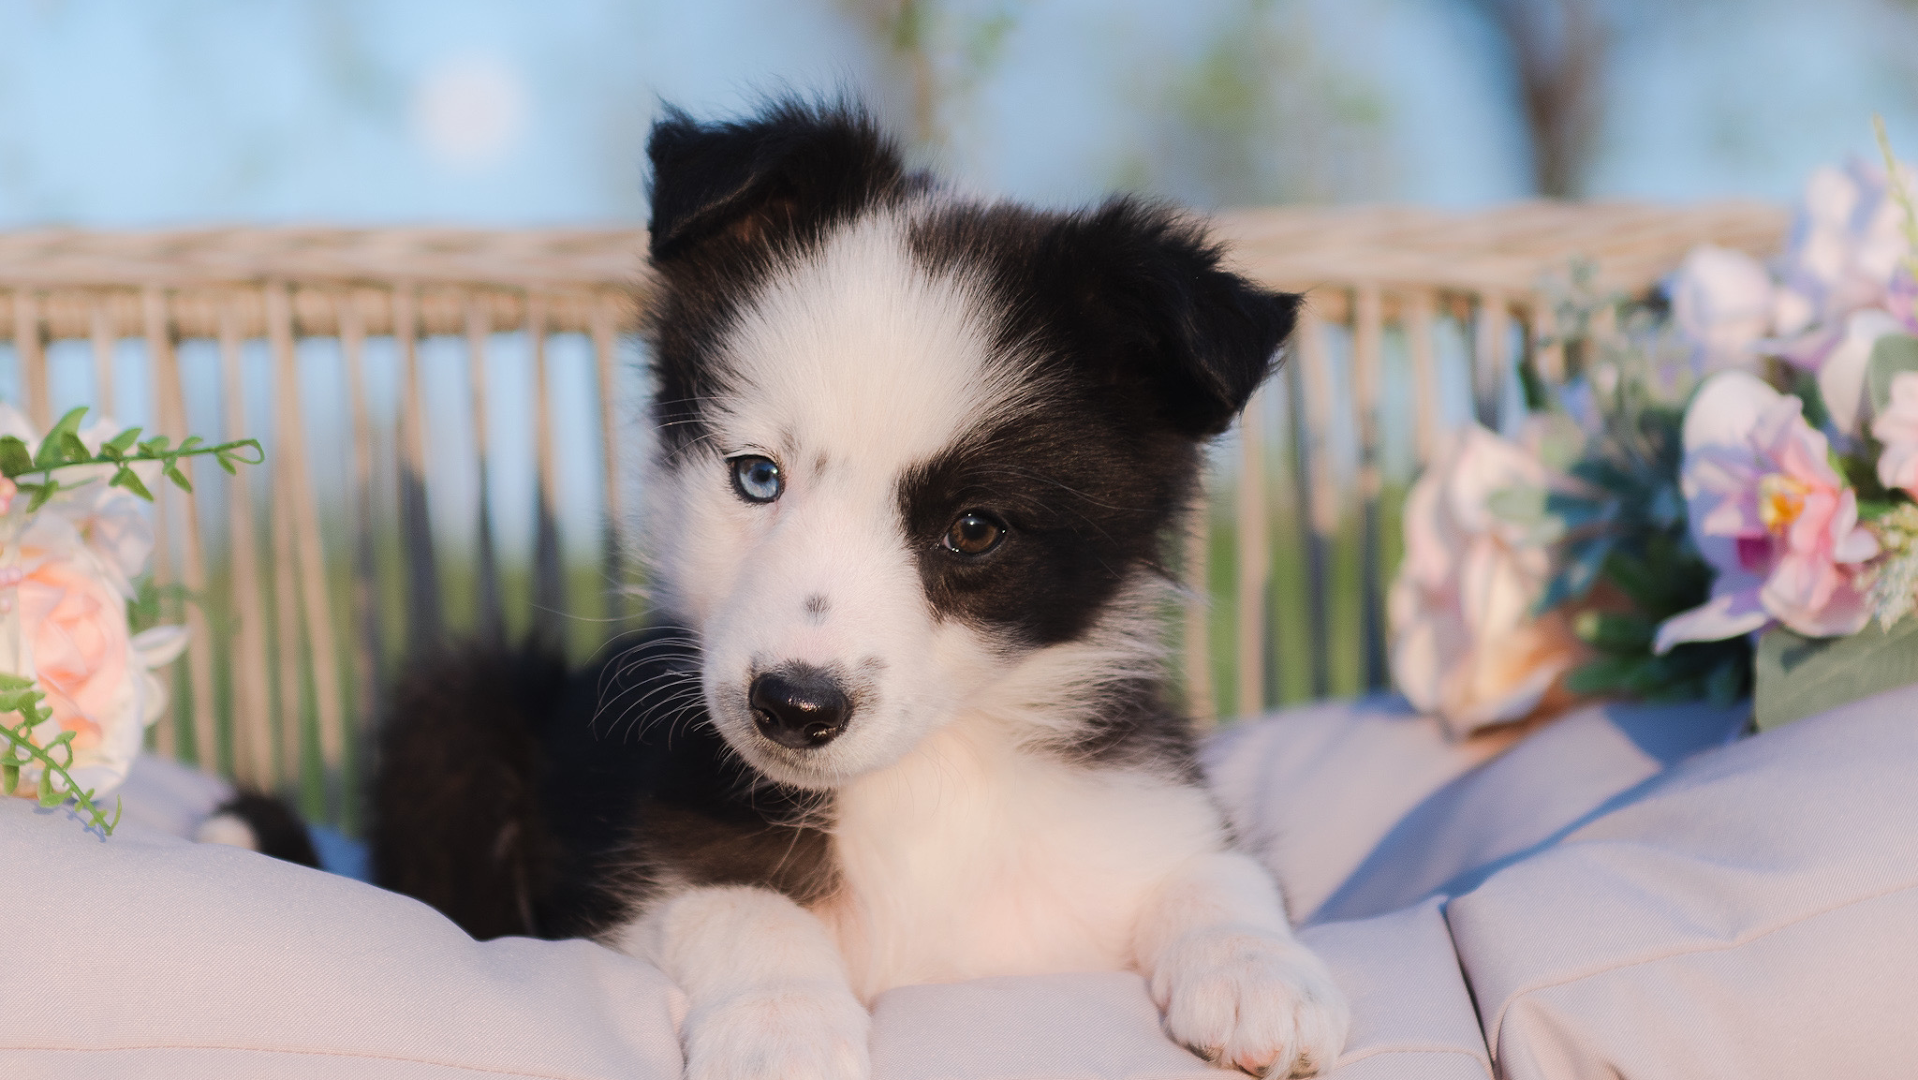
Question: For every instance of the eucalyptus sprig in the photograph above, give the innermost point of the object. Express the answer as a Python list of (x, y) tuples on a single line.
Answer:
[(19, 696), (64, 449)]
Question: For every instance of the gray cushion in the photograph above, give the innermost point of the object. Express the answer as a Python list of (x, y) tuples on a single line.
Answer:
[(1753, 912)]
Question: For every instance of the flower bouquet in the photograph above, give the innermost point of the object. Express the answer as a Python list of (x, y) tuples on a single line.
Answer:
[(77, 688), (1716, 499)]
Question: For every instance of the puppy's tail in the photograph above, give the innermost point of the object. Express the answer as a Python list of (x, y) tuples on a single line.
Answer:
[(262, 823), (455, 796)]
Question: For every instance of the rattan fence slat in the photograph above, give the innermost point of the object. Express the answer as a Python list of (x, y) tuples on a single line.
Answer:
[(288, 648), (549, 592), (172, 413), (30, 346), (492, 609), (1491, 327), (1320, 496), (424, 612), (159, 343), (295, 479), (1420, 313), (1255, 557), (100, 333), (1199, 697), (605, 337), (369, 633), (252, 715), (1368, 343)]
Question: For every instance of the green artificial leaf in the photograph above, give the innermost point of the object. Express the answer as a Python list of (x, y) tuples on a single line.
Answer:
[(155, 446), (117, 446), (1726, 683), (15, 458), (1609, 633), (72, 448), (10, 681), (1537, 398), (1583, 560), (41, 493), (55, 448), (179, 479), (1605, 675), (1805, 388), (50, 795), (226, 462), (234, 448), (1873, 509), (1798, 676), (1892, 354), (1518, 505), (127, 478)]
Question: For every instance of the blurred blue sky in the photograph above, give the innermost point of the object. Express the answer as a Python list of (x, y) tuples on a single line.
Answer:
[(164, 112)]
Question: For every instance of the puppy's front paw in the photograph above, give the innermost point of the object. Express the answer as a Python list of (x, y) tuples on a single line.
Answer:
[(795, 1031), (1258, 1001)]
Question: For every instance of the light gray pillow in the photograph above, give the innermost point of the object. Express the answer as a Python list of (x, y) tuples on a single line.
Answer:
[(1364, 807), (1412, 1018), (1751, 913), (145, 955)]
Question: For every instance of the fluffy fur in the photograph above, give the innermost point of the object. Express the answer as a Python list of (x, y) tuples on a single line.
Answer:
[(914, 463)]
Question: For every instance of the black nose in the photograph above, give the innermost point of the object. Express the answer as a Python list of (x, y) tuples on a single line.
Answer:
[(800, 707)]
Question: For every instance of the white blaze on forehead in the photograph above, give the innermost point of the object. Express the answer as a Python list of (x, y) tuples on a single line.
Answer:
[(860, 353)]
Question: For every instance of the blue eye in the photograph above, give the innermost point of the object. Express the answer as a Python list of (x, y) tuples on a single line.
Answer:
[(757, 478)]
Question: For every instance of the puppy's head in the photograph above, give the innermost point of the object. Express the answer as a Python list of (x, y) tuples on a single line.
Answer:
[(914, 453)]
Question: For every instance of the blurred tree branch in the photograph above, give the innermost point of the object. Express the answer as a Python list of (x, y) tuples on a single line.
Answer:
[(1558, 54), (1260, 115), (939, 52)]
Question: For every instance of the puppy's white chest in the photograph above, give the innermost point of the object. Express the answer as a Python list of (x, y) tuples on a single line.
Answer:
[(971, 859)]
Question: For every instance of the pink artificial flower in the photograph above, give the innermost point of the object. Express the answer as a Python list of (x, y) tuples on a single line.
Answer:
[(1466, 646), (1846, 253), (76, 625), (1847, 239), (8, 489), (1897, 428), (1772, 517)]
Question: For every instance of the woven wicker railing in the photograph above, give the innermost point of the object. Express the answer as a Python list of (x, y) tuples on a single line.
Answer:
[(304, 582)]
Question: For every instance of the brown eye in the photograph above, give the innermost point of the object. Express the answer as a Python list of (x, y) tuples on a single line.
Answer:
[(974, 533)]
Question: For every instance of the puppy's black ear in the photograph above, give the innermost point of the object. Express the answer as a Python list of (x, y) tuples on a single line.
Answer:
[(1203, 337), (784, 174)]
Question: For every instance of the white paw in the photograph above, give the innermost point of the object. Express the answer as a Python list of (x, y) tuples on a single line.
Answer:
[(796, 1031), (1257, 1001)]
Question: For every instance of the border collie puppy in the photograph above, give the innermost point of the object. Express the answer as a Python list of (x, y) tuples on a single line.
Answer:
[(916, 462)]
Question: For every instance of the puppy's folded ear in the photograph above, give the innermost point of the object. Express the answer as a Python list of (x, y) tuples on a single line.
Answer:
[(1201, 336), (780, 176)]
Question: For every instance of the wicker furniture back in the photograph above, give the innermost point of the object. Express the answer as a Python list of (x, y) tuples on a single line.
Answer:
[(301, 591)]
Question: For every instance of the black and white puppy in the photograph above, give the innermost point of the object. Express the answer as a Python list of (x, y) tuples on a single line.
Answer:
[(916, 463)]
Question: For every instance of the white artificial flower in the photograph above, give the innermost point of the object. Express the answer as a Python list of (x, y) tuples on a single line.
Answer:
[(1847, 241), (1722, 302)]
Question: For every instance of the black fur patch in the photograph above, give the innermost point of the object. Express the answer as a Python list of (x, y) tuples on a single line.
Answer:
[(1142, 347), (457, 820), (520, 800), (1129, 298), (277, 830)]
